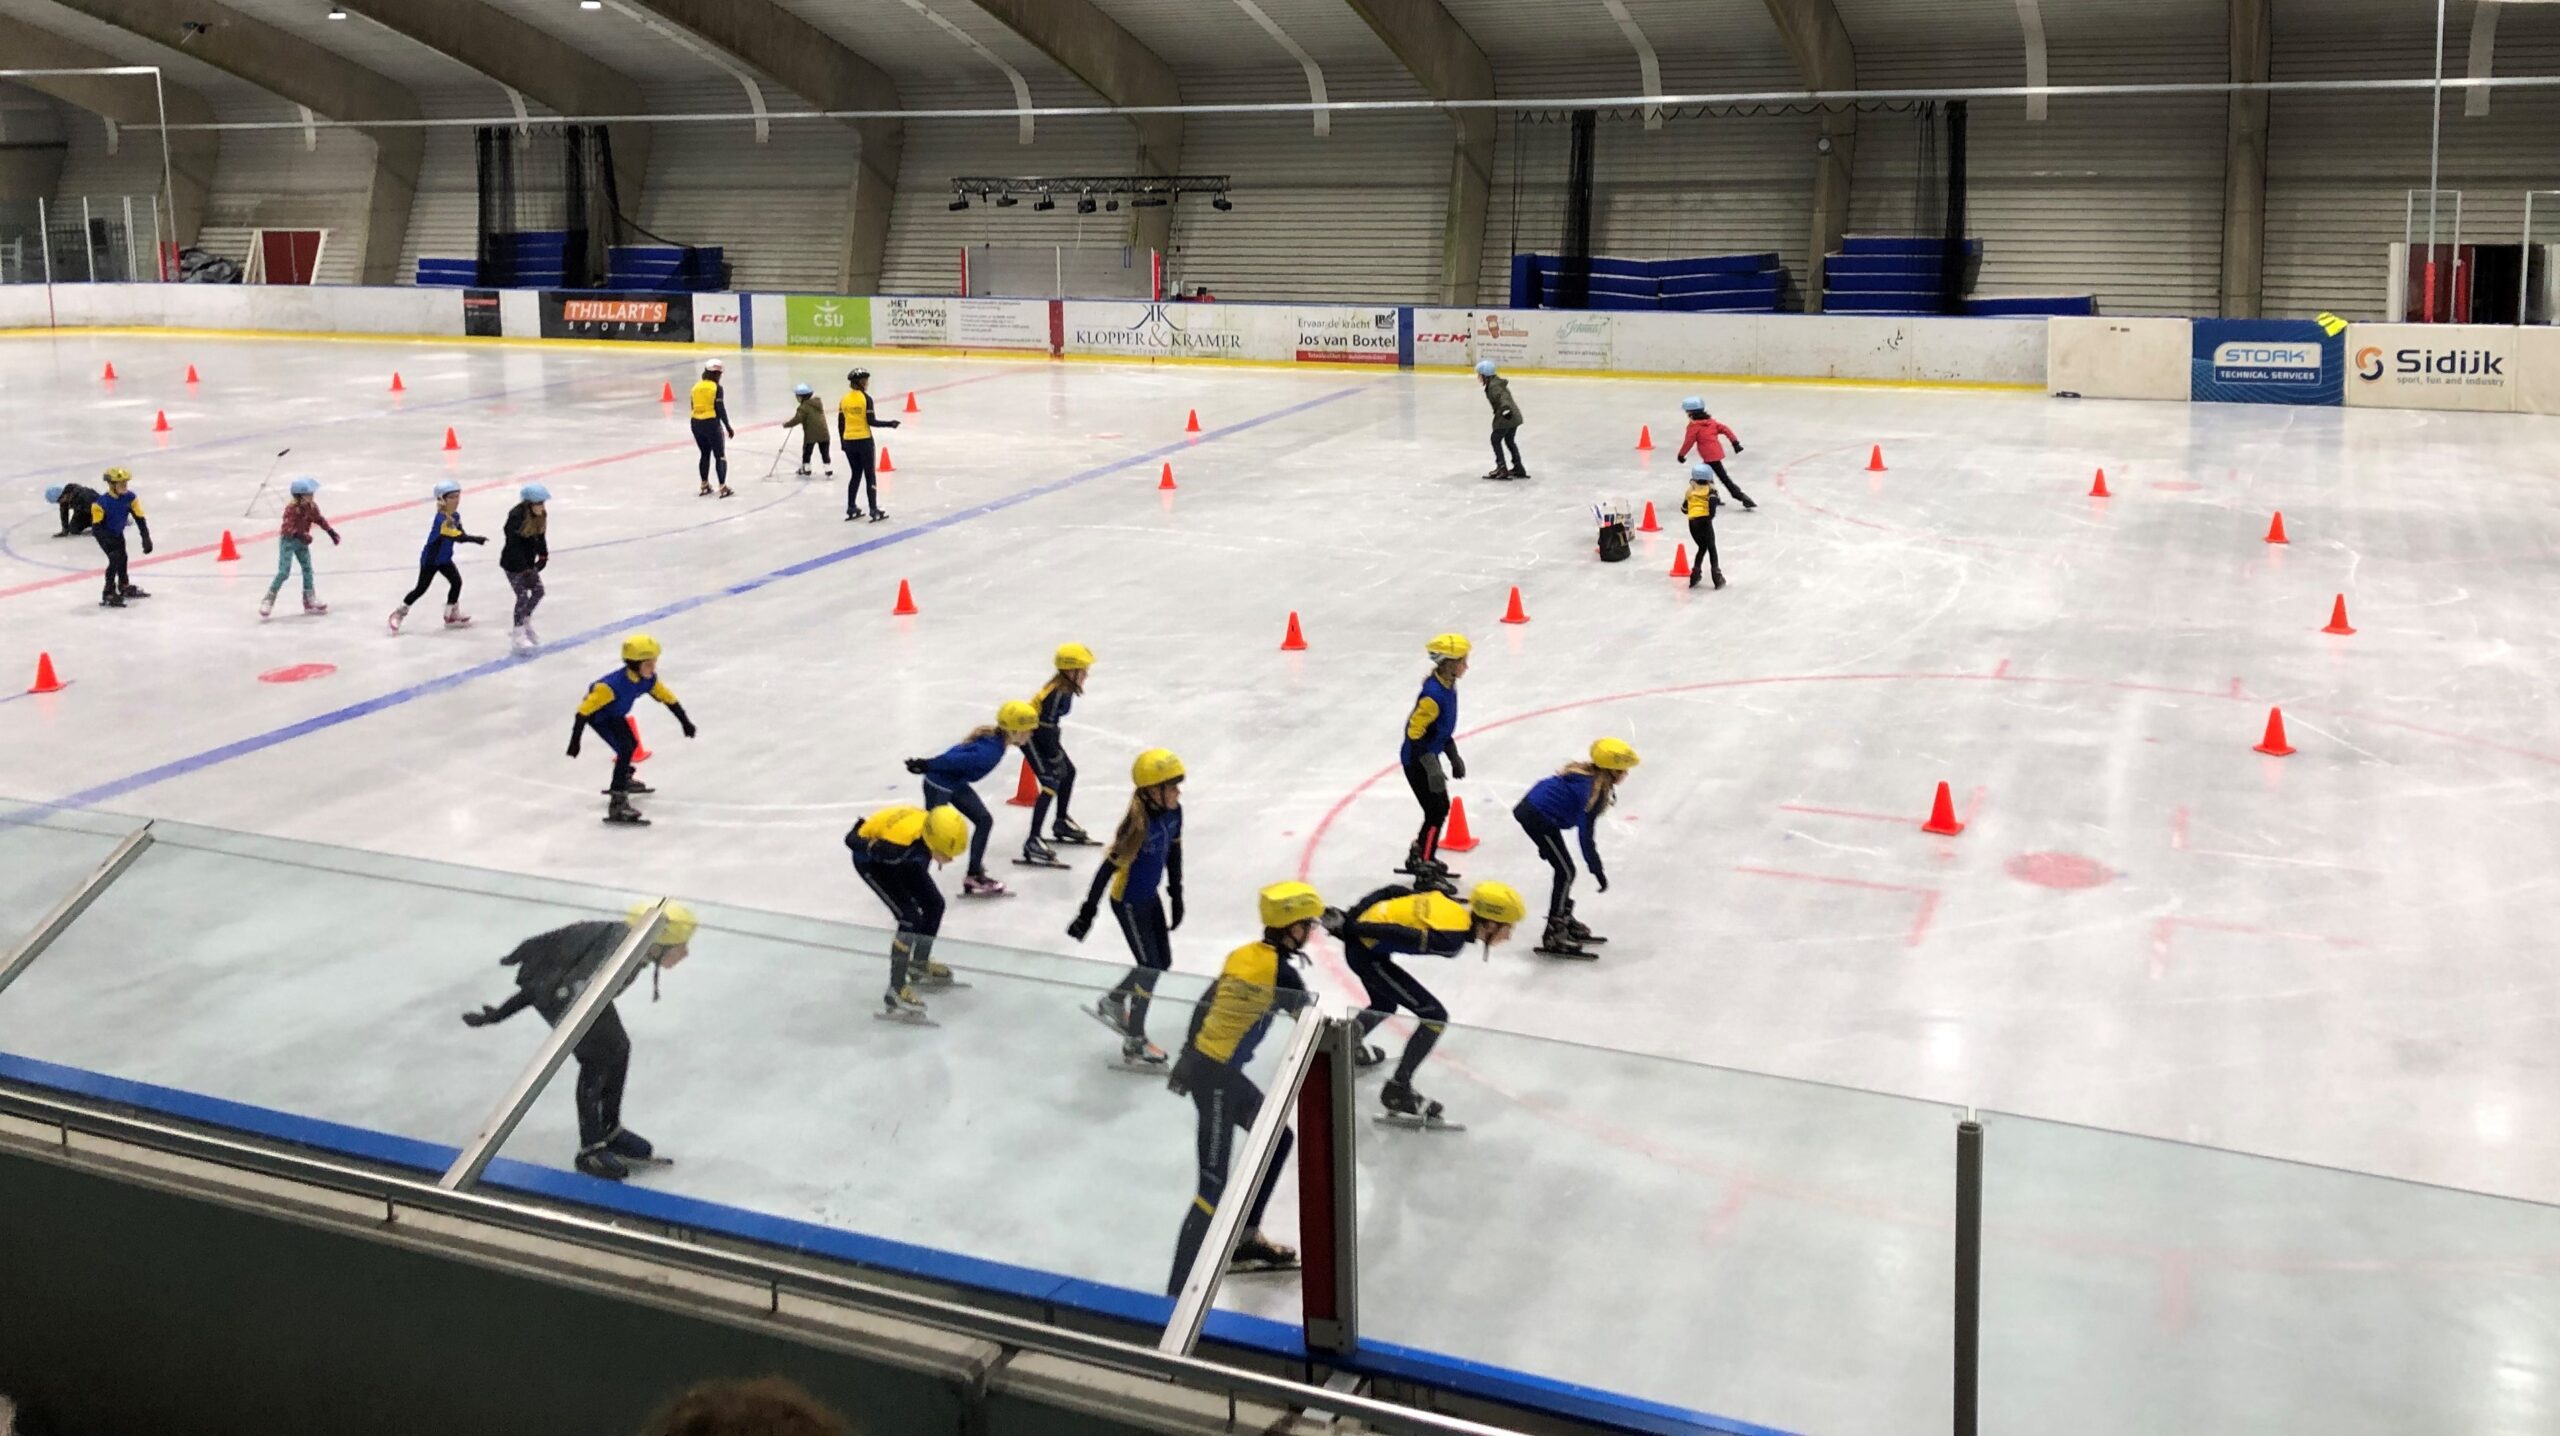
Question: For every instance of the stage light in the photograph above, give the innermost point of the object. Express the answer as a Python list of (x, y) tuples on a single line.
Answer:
[(1221, 202), (1006, 201), (1085, 205), (1046, 203), (961, 203)]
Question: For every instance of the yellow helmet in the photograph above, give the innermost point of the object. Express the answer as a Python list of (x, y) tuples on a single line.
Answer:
[(1286, 903), (1017, 717), (1072, 656), (1496, 902), (1156, 765), (946, 832), (640, 648), (1614, 754), (119, 476), (1449, 647), (676, 931)]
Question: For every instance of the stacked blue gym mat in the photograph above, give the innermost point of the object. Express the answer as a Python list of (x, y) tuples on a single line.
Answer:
[(538, 259), (666, 267), (1715, 283), (1891, 274)]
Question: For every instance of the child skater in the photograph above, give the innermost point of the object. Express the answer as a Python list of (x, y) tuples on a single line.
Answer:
[(856, 417), (1404, 922), (810, 418), (109, 513), (1506, 422), (1259, 980), (1146, 850), (1429, 731), (711, 431), (526, 554), (1707, 434), (1572, 799), (1047, 754), (607, 710), (71, 505), (293, 544), (1700, 504), (895, 851), (444, 530), (948, 774)]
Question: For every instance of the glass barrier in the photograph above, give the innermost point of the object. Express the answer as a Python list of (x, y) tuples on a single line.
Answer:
[(1771, 1251), (2135, 1285), (1007, 1131), (45, 854), (312, 981)]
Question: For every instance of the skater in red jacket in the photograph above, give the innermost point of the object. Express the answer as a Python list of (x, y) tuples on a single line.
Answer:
[(1707, 434)]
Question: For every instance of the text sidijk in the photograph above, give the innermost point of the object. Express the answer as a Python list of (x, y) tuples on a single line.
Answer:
[(2448, 361)]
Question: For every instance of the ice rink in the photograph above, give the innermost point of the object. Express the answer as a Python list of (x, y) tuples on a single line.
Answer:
[(2336, 957)]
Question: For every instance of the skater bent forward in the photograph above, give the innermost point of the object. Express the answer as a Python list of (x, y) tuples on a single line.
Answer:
[(1572, 799), (607, 710), (1396, 921)]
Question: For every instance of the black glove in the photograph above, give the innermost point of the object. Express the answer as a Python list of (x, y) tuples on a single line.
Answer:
[(577, 731), (1457, 765), (682, 721), (1737, 446), (732, 433), (1175, 920), (917, 765), (1083, 924), (146, 543), (483, 1017), (1600, 878), (884, 423), (1333, 921)]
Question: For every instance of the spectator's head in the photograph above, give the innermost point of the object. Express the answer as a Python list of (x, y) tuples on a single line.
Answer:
[(765, 1406)]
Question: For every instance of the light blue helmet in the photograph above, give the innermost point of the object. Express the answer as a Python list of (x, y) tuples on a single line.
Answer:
[(534, 494), (1484, 368), (803, 390), (1701, 474), (448, 486), (304, 486), (53, 493), (1694, 404)]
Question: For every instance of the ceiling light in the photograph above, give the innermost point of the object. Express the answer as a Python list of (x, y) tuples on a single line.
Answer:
[(590, 4), (961, 203), (337, 12), (1113, 206), (1221, 202), (1046, 203), (1147, 201), (1006, 201), (1085, 205)]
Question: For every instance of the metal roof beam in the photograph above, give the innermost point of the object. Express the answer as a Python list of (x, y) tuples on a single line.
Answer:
[(1095, 49), (2484, 49), (1449, 65), (124, 102), (2244, 162), (1818, 40)]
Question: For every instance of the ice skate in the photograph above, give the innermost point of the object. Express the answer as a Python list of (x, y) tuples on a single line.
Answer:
[(634, 1149), (705, 491), (131, 592), (1496, 472), (1258, 1253), (1139, 1055), (530, 636), (1436, 877), (878, 515), (620, 812), (1369, 1055), (1518, 472), (801, 472), (454, 617), (267, 606), (519, 640), (599, 1161), (1581, 934), (1037, 854), (1694, 576), (1408, 1108), (1719, 578), (725, 492), (851, 514), (1067, 832), (635, 788), (398, 614), (1559, 942), (900, 1004), (312, 605), (1111, 1009), (112, 600), (933, 975), (980, 885)]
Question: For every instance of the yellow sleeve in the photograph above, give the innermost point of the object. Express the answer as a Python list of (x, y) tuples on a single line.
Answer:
[(597, 697), (662, 693), (1425, 713), (137, 510), (97, 513)]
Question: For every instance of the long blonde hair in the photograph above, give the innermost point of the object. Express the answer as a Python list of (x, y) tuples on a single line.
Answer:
[(1604, 785), (1132, 834)]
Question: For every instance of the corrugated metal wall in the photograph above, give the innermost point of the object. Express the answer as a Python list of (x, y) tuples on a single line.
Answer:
[(267, 179), (781, 209), (444, 223), (926, 234)]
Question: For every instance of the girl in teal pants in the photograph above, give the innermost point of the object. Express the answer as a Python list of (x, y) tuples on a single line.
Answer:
[(293, 545)]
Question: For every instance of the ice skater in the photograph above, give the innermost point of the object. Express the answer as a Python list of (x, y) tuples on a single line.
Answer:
[(293, 544), (948, 774), (1259, 980), (895, 851), (1708, 434), (1146, 851), (551, 971), (523, 557), (711, 430), (1429, 734), (607, 710), (810, 418), (856, 417), (1573, 798), (1700, 504), (1047, 754), (109, 514), (1506, 422), (444, 530), (71, 504), (1403, 921)]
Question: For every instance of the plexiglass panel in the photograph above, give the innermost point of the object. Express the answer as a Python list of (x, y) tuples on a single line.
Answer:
[(45, 853)]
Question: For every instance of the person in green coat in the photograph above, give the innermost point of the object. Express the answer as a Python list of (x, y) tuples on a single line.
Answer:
[(1506, 422), (811, 420)]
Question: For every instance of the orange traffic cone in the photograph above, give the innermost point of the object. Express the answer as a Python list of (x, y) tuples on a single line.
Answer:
[(1942, 815), (110, 375), (2098, 490), (1192, 424), (230, 551), (1026, 792), (1680, 560), (45, 682), (911, 401), (1455, 838), (666, 392), (1644, 439), (191, 375), (1875, 459), (396, 386), (1167, 481), (2274, 745), (1296, 639), (906, 599), (639, 750), (159, 421), (2338, 617), (2275, 530), (1515, 613), (1650, 525), (887, 465), (450, 442)]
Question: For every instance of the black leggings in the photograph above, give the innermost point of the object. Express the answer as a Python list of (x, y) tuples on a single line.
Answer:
[(1730, 486), (1225, 1103), (1549, 841), (112, 545), (814, 444), (427, 574), (1057, 774), (862, 481), (527, 582), (1142, 921), (915, 903), (711, 447), (617, 735), (1507, 435), (1702, 532), (604, 1061), (965, 798), (1392, 989), (1430, 786)]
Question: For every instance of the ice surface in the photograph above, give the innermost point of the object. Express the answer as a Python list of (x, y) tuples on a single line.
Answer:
[(2339, 957)]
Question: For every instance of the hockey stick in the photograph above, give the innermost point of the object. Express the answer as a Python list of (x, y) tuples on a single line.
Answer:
[(263, 482), (776, 466)]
